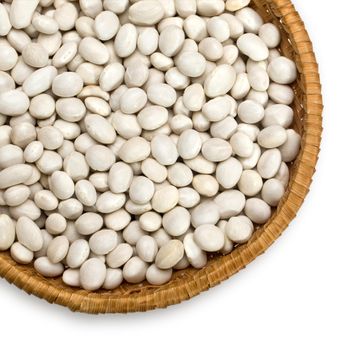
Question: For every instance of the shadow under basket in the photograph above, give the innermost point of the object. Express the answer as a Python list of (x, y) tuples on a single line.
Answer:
[(188, 283)]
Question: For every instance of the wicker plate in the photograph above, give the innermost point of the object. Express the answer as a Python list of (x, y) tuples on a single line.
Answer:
[(190, 282)]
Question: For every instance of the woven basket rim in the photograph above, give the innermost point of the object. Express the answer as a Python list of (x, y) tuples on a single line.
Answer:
[(189, 283)]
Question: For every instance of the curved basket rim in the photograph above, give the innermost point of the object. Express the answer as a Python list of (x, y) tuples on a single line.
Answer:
[(187, 285)]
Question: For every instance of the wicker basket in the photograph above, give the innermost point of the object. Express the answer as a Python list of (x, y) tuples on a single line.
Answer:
[(190, 282)]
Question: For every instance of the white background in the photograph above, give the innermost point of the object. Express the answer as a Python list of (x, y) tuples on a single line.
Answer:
[(295, 296)]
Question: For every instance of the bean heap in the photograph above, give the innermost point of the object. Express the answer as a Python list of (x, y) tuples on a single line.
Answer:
[(137, 137)]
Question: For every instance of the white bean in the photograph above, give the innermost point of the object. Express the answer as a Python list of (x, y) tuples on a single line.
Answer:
[(252, 46), (42, 106), (141, 190), (106, 25), (283, 174), (156, 276), (209, 238), (171, 40), (270, 35), (147, 41), (39, 81), (16, 195), (91, 8), (28, 234), (152, 117), (147, 248), (169, 254), (6, 82), (61, 185), (272, 192), (133, 100), (216, 150), (150, 221), (235, 5), (58, 249), (220, 81), (134, 270), (15, 175), (239, 229), (165, 199), (10, 155), (92, 274), (35, 55), (103, 242), (217, 109), (269, 163), (135, 150), (45, 24), (196, 256), (180, 175), (162, 95), (153, 170), (89, 223), (282, 70), (251, 19), (65, 54), (55, 224), (76, 166), (250, 183), (49, 162), (114, 278), (281, 93), (5, 24), (164, 150), (257, 210), (78, 253), (21, 254), (126, 40), (241, 144), (176, 79), (211, 49), (120, 177), (250, 112), (46, 268), (230, 203), (290, 149), (21, 12), (13, 103), (46, 200), (273, 136), (67, 84), (93, 51), (100, 158), (71, 277), (111, 76), (177, 221), (189, 144), (258, 79), (7, 229), (146, 12), (201, 165), (191, 64), (210, 7), (99, 129), (120, 255), (228, 173), (278, 114)]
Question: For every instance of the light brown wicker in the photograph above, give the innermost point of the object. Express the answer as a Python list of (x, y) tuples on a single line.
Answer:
[(190, 282)]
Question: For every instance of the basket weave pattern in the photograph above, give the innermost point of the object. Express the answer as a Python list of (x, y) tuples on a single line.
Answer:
[(190, 282)]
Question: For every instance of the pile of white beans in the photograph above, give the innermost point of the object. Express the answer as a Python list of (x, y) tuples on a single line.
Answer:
[(137, 137)]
